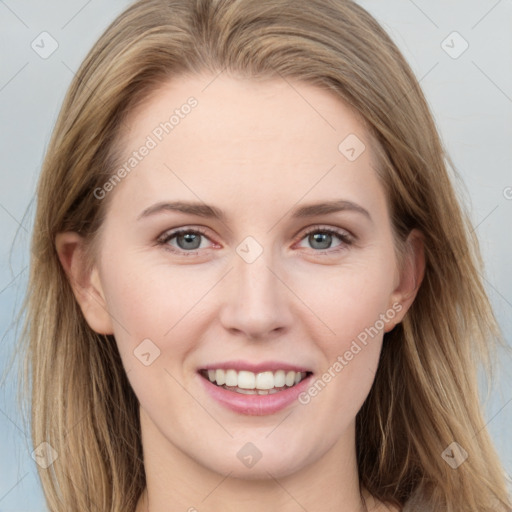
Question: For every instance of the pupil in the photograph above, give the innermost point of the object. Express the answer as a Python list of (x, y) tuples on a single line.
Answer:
[(322, 238), (189, 238)]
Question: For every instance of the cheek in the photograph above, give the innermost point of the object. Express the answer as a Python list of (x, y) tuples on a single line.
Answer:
[(348, 299), (352, 305), (158, 323), (353, 347), (156, 303)]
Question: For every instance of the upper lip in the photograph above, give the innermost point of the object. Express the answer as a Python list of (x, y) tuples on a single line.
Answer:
[(239, 365)]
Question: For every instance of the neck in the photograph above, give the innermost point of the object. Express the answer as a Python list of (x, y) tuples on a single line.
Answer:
[(175, 479)]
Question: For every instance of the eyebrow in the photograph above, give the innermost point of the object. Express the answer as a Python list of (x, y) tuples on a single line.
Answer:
[(208, 211)]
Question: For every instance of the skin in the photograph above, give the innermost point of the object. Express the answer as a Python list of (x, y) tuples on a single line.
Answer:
[(257, 150)]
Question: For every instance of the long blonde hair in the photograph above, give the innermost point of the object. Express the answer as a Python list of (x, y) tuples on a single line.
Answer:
[(425, 394)]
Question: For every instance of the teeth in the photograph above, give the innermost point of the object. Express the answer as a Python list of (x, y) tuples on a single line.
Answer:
[(231, 378), (245, 380), (220, 377), (263, 383), (265, 380), (279, 379)]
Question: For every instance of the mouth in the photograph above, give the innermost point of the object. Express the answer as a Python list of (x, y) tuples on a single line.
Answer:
[(250, 383)]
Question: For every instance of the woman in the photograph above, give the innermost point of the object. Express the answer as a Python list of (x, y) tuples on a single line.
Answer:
[(193, 347)]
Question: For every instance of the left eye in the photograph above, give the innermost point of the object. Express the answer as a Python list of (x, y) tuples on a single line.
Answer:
[(321, 238)]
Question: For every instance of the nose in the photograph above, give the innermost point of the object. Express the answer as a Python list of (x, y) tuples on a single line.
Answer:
[(256, 300)]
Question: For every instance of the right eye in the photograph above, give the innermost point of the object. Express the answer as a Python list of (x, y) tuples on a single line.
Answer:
[(186, 239)]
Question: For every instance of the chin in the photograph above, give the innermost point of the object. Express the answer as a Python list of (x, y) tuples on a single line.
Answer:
[(266, 467)]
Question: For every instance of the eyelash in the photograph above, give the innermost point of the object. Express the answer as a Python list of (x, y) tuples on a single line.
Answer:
[(345, 238)]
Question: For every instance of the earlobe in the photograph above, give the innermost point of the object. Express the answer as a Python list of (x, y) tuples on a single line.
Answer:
[(85, 282), (410, 278)]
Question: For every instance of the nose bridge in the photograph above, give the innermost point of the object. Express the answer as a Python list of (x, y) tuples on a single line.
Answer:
[(256, 302)]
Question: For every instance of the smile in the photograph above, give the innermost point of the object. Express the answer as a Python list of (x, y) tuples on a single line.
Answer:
[(250, 383)]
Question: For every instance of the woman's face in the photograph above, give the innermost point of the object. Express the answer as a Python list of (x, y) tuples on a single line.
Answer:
[(271, 282)]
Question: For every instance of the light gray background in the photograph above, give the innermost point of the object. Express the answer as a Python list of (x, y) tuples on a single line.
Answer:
[(471, 98)]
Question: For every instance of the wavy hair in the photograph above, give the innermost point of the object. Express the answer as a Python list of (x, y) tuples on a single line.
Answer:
[(425, 394)]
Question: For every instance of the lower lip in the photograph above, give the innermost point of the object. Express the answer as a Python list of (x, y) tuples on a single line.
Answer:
[(255, 405)]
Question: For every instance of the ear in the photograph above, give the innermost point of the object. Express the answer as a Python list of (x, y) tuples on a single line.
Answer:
[(84, 281), (409, 279)]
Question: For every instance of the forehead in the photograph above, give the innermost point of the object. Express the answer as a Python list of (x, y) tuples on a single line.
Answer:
[(245, 110), (226, 138)]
